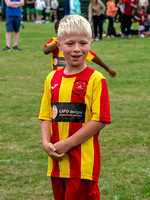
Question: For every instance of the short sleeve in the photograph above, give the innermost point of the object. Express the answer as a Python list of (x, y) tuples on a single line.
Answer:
[(51, 41), (90, 56), (45, 109), (100, 101)]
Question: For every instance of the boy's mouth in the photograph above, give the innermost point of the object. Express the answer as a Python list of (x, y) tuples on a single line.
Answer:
[(76, 56)]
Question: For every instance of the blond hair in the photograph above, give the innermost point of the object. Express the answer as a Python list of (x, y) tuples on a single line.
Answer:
[(74, 25)]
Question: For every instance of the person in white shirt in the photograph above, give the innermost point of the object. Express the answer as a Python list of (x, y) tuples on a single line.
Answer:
[(54, 6), (143, 3), (40, 5)]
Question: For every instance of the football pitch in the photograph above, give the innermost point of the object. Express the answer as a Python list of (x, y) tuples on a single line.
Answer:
[(125, 144)]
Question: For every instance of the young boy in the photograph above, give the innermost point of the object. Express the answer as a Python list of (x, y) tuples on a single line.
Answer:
[(74, 108), (58, 60)]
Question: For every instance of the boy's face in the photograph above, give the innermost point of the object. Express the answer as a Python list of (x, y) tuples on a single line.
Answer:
[(75, 49)]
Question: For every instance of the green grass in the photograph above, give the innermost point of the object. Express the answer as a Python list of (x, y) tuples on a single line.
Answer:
[(125, 167)]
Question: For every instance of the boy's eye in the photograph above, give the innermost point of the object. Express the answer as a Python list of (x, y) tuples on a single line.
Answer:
[(69, 43), (83, 43)]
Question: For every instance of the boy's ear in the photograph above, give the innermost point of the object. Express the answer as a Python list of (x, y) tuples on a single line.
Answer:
[(58, 44), (91, 42)]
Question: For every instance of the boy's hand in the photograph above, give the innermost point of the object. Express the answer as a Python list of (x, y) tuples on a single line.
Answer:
[(62, 146), (112, 73), (51, 151)]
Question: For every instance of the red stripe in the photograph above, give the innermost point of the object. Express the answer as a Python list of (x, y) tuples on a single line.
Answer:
[(57, 78), (75, 154), (104, 104), (97, 160), (55, 137)]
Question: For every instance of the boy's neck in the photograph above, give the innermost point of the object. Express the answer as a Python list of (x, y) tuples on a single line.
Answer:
[(74, 70)]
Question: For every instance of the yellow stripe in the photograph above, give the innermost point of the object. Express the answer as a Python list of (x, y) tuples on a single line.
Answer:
[(65, 96), (50, 166), (87, 148), (97, 89), (87, 156)]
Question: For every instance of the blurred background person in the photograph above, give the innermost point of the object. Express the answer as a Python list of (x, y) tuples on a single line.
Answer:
[(143, 3), (96, 11), (147, 23), (120, 14), (39, 5), (75, 7), (141, 19), (54, 6), (128, 13), (13, 22), (111, 12), (67, 7), (30, 10), (47, 11)]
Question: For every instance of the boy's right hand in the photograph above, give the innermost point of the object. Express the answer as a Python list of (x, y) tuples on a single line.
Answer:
[(51, 151)]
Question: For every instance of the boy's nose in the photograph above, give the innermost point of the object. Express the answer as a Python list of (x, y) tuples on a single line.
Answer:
[(76, 47)]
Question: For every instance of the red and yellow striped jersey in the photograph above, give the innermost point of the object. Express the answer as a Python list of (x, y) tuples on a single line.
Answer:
[(69, 102), (57, 57)]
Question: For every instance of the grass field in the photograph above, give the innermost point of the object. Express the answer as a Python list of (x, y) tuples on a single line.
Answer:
[(125, 144)]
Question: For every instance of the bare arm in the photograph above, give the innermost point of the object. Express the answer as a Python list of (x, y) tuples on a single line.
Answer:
[(98, 61), (147, 4), (50, 48), (29, 2), (14, 4), (72, 6), (82, 135), (90, 13), (133, 5), (136, 17), (46, 141), (120, 2)]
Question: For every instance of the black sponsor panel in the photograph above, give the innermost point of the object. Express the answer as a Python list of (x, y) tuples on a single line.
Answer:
[(59, 62), (68, 112)]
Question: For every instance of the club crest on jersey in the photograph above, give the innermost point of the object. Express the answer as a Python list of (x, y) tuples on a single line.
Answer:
[(79, 87), (54, 112)]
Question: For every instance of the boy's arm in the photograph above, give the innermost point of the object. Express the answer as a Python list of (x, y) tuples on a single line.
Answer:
[(98, 61), (82, 135), (50, 48), (46, 141)]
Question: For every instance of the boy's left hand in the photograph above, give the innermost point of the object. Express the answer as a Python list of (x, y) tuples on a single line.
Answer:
[(62, 147)]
